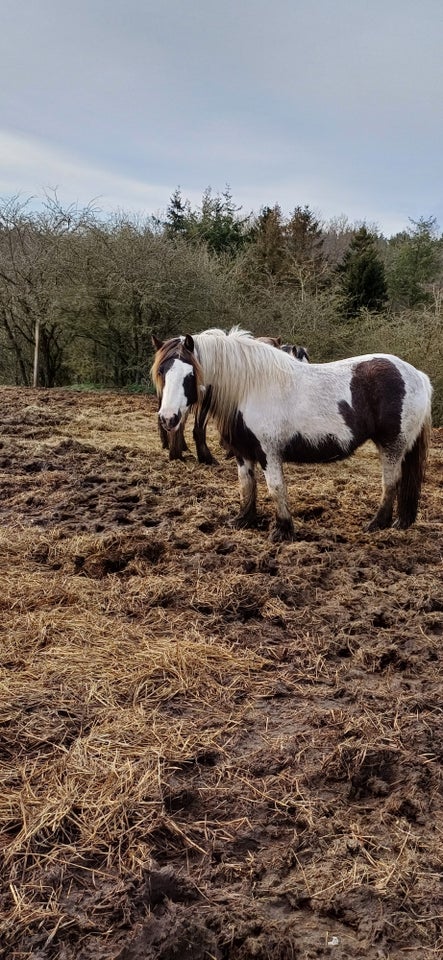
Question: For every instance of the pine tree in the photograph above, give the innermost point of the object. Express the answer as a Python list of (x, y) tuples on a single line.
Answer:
[(304, 249), (414, 263), (362, 282), (178, 215), (218, 223), (269, 240)]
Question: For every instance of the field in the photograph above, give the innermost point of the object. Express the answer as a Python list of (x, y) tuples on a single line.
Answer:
[(213, 747)]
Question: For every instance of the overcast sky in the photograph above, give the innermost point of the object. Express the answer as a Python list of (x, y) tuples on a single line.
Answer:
[(332, 103)]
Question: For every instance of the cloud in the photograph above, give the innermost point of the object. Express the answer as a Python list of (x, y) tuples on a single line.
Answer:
[(334, 105), (31, 169)]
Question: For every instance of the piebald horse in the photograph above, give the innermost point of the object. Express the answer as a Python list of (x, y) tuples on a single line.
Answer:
[(300, 353), (175, 441), (269, 410)]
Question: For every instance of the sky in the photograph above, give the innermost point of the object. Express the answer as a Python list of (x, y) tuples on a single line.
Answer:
[(334, 104)]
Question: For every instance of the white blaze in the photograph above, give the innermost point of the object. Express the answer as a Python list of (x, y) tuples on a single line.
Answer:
[(174, 399)]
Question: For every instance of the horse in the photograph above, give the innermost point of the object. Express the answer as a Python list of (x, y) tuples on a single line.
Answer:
[(175, 442), (270, 410), (300, 353)]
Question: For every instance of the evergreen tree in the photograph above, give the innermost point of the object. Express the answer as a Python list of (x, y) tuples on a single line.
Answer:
[(361, 275), (269, 240), (304, 249), (218, 223), (414, 263), (178, 216)]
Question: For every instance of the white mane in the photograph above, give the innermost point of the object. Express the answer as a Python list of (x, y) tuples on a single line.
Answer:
[(235, 364)]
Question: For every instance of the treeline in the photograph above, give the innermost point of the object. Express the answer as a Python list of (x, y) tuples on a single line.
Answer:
[(89, 292)]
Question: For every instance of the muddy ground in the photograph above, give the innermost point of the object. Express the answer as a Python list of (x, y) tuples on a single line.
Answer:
[(212, 746)]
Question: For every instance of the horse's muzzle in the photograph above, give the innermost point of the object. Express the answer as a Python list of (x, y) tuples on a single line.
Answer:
[(169, 422)]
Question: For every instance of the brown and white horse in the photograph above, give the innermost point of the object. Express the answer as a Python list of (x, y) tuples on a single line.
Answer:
[(300, 353), (269, 409), (175, 441)]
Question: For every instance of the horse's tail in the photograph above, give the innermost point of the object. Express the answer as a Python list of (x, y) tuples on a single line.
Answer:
[(412, 475)]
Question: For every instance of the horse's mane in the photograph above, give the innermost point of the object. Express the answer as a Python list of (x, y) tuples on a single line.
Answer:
[(234, 365)]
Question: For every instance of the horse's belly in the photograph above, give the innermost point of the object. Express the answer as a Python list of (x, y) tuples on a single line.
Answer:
[(322, 435), (300, 449)]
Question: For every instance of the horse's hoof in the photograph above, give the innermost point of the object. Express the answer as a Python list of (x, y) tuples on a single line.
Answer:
[(377, 524), (283, 530), (242, 522), (370, 527)]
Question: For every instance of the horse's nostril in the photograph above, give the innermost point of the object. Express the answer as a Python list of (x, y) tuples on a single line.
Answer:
[(169, 422)]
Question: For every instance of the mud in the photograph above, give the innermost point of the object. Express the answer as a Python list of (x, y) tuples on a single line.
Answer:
[(297, 810)]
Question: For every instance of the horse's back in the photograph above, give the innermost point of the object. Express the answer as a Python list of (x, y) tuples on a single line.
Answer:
[(377, 370)]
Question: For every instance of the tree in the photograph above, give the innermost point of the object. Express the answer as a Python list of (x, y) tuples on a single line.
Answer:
[(219, 224), (414, 264), (269, 241), (361, 276), (178, 216), (36, 269), (216, 223), (304, 250)]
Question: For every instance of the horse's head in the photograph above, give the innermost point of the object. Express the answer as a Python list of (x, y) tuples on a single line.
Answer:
[(271, 341), (177, 378), (300, 353)]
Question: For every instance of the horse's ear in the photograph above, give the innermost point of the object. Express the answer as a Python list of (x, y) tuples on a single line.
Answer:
[(189, 343), (278, 341), (156, 342)]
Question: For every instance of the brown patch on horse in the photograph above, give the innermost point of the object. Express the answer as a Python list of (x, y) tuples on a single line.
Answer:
[(377, 391), (325, 450), (243, 442)]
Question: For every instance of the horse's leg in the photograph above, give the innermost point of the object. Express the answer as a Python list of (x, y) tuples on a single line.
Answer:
[(177, 443), (283, 528), (174, 442), (199, 433), (164, 436), (248, 494), (412, 476), (391, 473)]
